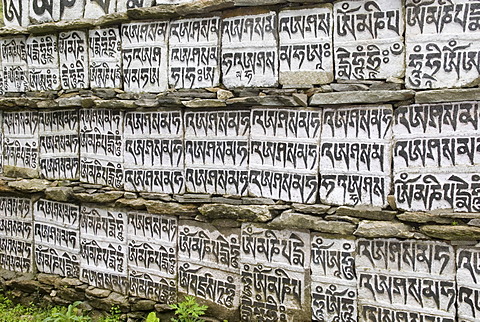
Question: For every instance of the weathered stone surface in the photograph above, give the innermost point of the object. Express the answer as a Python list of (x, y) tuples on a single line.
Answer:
[(204, 103), (137, 203), (367, 212), (143, 305), (380, 229), (358, 97), (269, 100), (301, 221), (448, 95), (423, 218), (223, 94), (33, 185), (113, 104), (452, 232), (171, 208), (349, 219), (97, 292), (160, 12), (241, 213), (342, 87), (204, 6), (105, 197), (59, 193), (311, 209)]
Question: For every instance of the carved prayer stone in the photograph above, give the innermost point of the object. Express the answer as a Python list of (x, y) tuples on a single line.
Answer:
[(249, 50), (14, 63), (15, 13), (73, 57), (144, 52), (284, 154), (306, 47), (194, 53), (97, 8), (368, 39), (468, 285), (105, 58), (355, 155)]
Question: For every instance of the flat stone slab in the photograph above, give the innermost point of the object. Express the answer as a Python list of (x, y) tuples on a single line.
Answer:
[(448, 95), (357, 97)]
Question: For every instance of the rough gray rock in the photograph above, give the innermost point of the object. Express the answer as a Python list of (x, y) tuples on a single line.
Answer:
[(360, 97), (243, 213), (448, 95), (316, 209), (367, 212), (170, 208), (451, 232), (104, 197), (382, 229), (29, 186), (290, 219), (424, 217), (59, 193)]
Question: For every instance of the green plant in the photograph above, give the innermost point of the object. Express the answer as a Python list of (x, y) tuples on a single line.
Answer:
[(188, 310), (152, 317), (115, 315), (70, 314)]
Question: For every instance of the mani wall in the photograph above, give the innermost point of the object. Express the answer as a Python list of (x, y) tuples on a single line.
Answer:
[(278, 160)]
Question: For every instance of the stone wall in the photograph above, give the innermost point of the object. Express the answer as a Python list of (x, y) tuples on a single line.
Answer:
[(278, 160)]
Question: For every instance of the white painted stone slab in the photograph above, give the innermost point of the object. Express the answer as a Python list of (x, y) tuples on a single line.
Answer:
[(14, 63), (103, 256), (97, 8), (216, 151), (288, 249), (194, 53), (205, 245), (73, 58), (56, 237), (249, 50), (152, 287), (105, 57), (147, 227), (52, 261), (144, 53), (110, 281), (355, 151), (16, 255), (16, 228), (123, 5), (333, 302), (369, 39), (42, 11), (101, 224), (59, 144), (401, 276), (468, 283), (214, 285), (153, 156), (272, 292), (14, 207), (152, 258), (15, 13), (306, 47), (42, 59), (62, 214)]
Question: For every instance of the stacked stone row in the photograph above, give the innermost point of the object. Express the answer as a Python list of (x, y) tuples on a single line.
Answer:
[(250, 272), (346, 40)]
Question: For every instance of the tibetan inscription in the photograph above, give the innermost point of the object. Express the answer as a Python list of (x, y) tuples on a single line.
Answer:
[(15, 13), (144, 53), (154, 152), (408, 280), (57, 238), (123, 5), (59, 144), (442, 43), (97, 8), (249, 50), (105, 58), (42, 59), (284, 154), (16, 237), (368, 39), (436, 156), (14, 63), (20, 145), (216, 151), (194, 53), (101, 147), (54, 10), (73, 57), (355, 155), (306, 48), (468, 284)]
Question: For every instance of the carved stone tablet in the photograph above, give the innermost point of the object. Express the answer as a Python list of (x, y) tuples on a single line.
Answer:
[(123, 5), (306, 48), (436, 156), (20, 146), (442, 44), (42, 59), (57, 238), (284, 154), (249, 50), (73, 54), (333, 279), (59, 144), (216, 151), (412, 279), (101, 147), (369, 39), (468, 283), (355, 155), (53, 10), (154, 151), (203, 244), (15, 13), (16, 234), (105, 57), (14, 63), (97, 8), (152, 287), (144, 52), (194, 53)]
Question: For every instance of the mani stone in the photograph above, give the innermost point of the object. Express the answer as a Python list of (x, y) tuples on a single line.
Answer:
[(243, 213), (300, 221), (367, 212), (451, 232), (357, 97), (448, 95), (381, 229)]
